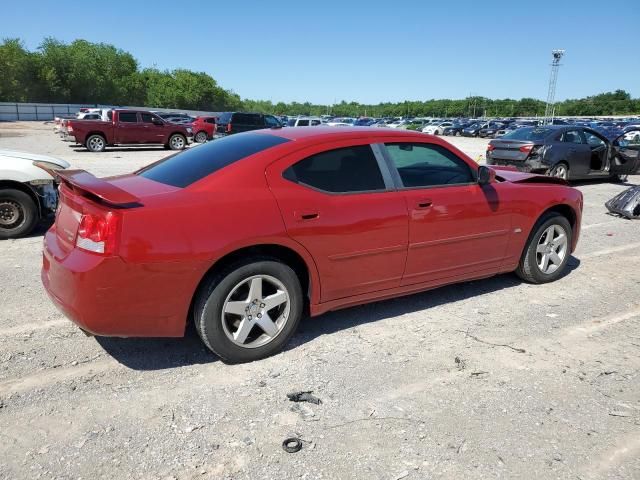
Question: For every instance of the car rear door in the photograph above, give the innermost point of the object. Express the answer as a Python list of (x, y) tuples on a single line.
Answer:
[(338, 201), (129, 129), (577, 152), (625, 152), (457, 228)]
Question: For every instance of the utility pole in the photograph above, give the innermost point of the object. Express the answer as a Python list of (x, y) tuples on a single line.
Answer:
[(550, 108)]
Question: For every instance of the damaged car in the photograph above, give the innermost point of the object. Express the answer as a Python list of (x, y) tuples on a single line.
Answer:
[(269, 225), (28, 192), (566, 151)]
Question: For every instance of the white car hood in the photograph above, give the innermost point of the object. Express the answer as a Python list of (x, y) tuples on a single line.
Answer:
[(32, 157)]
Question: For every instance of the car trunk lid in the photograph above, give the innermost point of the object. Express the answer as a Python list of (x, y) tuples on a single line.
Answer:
[(517, 150)]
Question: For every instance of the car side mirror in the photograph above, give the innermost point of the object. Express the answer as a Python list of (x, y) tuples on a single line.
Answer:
[(486, 175)]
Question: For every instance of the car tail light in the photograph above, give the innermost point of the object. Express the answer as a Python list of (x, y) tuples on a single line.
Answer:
[(526, 148), (69, 126), (228, 128), (98, 232), (490, 148)]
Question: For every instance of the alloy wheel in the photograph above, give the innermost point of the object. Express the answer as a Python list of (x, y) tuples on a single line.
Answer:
[(552, 249), (255, 311), (177, 142)]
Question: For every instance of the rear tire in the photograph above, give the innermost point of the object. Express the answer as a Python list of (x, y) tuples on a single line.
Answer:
[(95, 143), (240, 337), (560, 170), (201, 137), (18, 214), (546, 240)]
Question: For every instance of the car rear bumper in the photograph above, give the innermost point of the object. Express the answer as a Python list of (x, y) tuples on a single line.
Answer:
[(107, 296), (529, 165)]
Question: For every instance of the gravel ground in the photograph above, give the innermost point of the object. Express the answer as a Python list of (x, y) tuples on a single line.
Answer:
[(487, 379)]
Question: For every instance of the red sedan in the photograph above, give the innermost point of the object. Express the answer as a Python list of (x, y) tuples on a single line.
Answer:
[(203, 128), (245, 233)]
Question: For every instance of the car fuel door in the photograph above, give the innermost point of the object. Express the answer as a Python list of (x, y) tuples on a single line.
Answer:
[(625, 154)]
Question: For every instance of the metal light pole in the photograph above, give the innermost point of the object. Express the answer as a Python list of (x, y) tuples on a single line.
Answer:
[(550, 109)]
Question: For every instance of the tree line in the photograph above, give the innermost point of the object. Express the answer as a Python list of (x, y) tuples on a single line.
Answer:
[(85, 72)]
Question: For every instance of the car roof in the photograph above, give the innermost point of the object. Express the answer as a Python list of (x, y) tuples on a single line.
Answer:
[(331, 133)]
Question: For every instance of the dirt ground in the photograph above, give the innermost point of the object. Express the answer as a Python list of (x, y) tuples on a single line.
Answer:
[(487, 379)]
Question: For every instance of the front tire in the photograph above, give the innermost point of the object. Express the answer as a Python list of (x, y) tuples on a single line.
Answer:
[(547, 251), (250, 310), (18, 214), (177, 142)]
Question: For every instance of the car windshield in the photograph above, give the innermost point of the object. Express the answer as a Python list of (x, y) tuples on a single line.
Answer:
[(529, 133), (185, 168)]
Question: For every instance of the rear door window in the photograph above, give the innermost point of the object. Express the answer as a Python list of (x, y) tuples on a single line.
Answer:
[(185, 168), (343, 170), (128, 117), (572, 136)]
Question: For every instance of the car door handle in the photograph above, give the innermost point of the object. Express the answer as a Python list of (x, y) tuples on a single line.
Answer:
[(306, 215), (422, 204)]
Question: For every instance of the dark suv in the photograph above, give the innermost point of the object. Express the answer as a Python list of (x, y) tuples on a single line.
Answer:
[(236, 122)]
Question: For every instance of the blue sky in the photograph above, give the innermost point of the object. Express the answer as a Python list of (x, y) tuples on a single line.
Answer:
[(367, 51)]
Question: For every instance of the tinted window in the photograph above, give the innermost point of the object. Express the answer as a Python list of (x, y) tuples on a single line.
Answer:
[(128, 117), (271, 121), (422, 165), (211, 120), (315, 122), (147, 117), (529, 133), (303, 123), (572, 136), (344, 170), (184, 168), (225, 117)]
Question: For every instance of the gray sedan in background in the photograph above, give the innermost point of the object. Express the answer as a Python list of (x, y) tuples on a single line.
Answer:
[(566, 151)]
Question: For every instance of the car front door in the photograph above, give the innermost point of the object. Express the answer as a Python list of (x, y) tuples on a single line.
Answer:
[(457, 228), (625, 154), (153, 128), (338, 201)]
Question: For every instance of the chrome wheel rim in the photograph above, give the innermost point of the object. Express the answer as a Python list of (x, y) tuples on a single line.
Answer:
[(177, 142), (560, 171), (10, 213), (96, 143), (256, 311), (551, 249), (201, 137)]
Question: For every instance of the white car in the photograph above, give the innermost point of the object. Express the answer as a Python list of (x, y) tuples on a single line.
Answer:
[(305, 122), (28, 191), (436, 128)]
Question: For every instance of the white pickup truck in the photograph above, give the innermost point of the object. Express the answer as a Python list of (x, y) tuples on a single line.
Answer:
[(28, 191)]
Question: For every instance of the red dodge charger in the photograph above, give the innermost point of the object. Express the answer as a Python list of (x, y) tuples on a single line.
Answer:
[(245, 233)]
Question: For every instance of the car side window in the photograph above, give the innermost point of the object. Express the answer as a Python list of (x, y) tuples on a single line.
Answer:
[(593, 140), (303, 123), (428, 165), (572, 136), (343, 170), (315, 122), (271, 121), (128, 117), (146, 118)]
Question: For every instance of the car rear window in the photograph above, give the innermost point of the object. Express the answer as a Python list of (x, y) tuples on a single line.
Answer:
[(185, 168), (528, 133)]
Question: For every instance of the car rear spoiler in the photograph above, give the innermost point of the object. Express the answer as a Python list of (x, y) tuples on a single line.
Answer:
[(88, 185)]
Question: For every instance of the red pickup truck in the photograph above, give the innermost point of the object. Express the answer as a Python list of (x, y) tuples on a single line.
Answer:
[(129, 127)]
